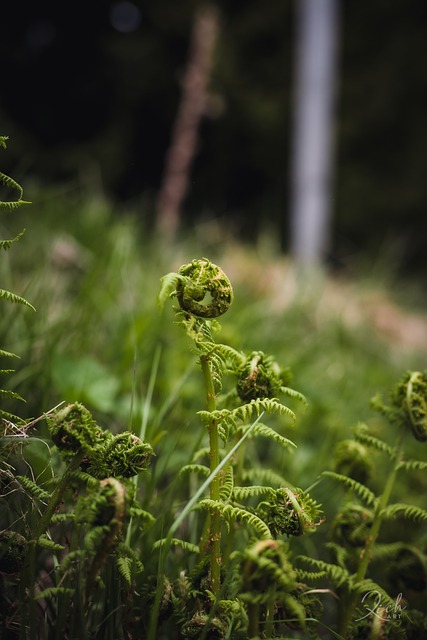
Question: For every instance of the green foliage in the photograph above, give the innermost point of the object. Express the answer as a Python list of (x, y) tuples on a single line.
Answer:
[(135, 545)]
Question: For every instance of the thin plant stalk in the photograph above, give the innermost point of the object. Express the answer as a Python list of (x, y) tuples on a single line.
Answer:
[(215, 517)]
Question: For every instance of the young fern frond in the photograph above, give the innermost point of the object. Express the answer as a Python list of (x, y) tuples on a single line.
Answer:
[(267, 432), (363, 492), (339, 552), (361, 435), (46, 543), (227, 485), (268, 476), (231, 514), (177, 542), (167, 288), (400, 510), (338, 575), (195, 468), (126, 558), (243, 493), (413, 465), (33, 489), (258, 405), (54, 592), (7, 393), (6, 244), (367, 586), (12, 297), (294, 394)]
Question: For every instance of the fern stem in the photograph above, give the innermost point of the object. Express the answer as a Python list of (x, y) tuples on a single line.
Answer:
[(383, 501), (215, 517)]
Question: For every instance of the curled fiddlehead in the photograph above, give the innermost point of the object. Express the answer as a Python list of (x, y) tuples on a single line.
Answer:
[(408, 404), (199, 280), (75, 432)]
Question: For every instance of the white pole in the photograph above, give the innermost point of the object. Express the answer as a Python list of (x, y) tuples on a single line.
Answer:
[(312, 153)]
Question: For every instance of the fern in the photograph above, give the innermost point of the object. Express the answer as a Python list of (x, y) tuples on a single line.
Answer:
[(268, 476), (243, 493), (12, 297), (363, 492), (33, 489), (231, 514), (54, 592), (168, 288), (227, 485), (361, 435), (411, 512), (126, 558), (6, 244), (413, 465), (267, 432), (366, 586), (46, 543), (195, 468), (338, 575), (258, 405), (176, 542)]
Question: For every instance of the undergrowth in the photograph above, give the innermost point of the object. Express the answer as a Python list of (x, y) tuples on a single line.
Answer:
[(231, 506)]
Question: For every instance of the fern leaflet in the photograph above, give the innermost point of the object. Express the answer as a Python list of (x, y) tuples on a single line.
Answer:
[(231, 514), (12, 297), (411, 512), (362, 491), (361, 435)]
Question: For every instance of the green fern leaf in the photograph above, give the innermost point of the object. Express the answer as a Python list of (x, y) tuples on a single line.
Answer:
[(258, 405), (363, 492), (293, 393), (338, 575), (413, 465), (167, 287), (8, 354), (6, 393), (124, 567), (411, 512), (176, 542), (195, 468), (227, 485), (47, 543), (12, 297), (33, 489), (267, 476), (232, 514), (361, 435), (261, 429), (243, 493), (6, 244), (364, 587)]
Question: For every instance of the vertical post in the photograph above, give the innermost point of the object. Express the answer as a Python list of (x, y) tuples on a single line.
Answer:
[(312, 153)]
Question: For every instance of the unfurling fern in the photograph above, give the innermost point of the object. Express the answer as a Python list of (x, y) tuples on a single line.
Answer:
[(204, 293)]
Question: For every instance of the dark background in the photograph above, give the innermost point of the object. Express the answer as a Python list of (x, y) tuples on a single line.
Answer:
[(92, 87)]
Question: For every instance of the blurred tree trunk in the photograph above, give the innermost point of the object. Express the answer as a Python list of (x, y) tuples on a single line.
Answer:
[(183, 145), (312, 153)]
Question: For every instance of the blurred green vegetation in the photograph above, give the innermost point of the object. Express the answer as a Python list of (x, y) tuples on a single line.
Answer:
[(98, 337)]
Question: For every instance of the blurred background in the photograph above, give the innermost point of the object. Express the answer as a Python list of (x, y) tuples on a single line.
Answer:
[(97, 92)]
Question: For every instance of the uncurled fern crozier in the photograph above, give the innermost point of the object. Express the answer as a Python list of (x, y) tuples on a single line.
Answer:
[(204, 293)]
